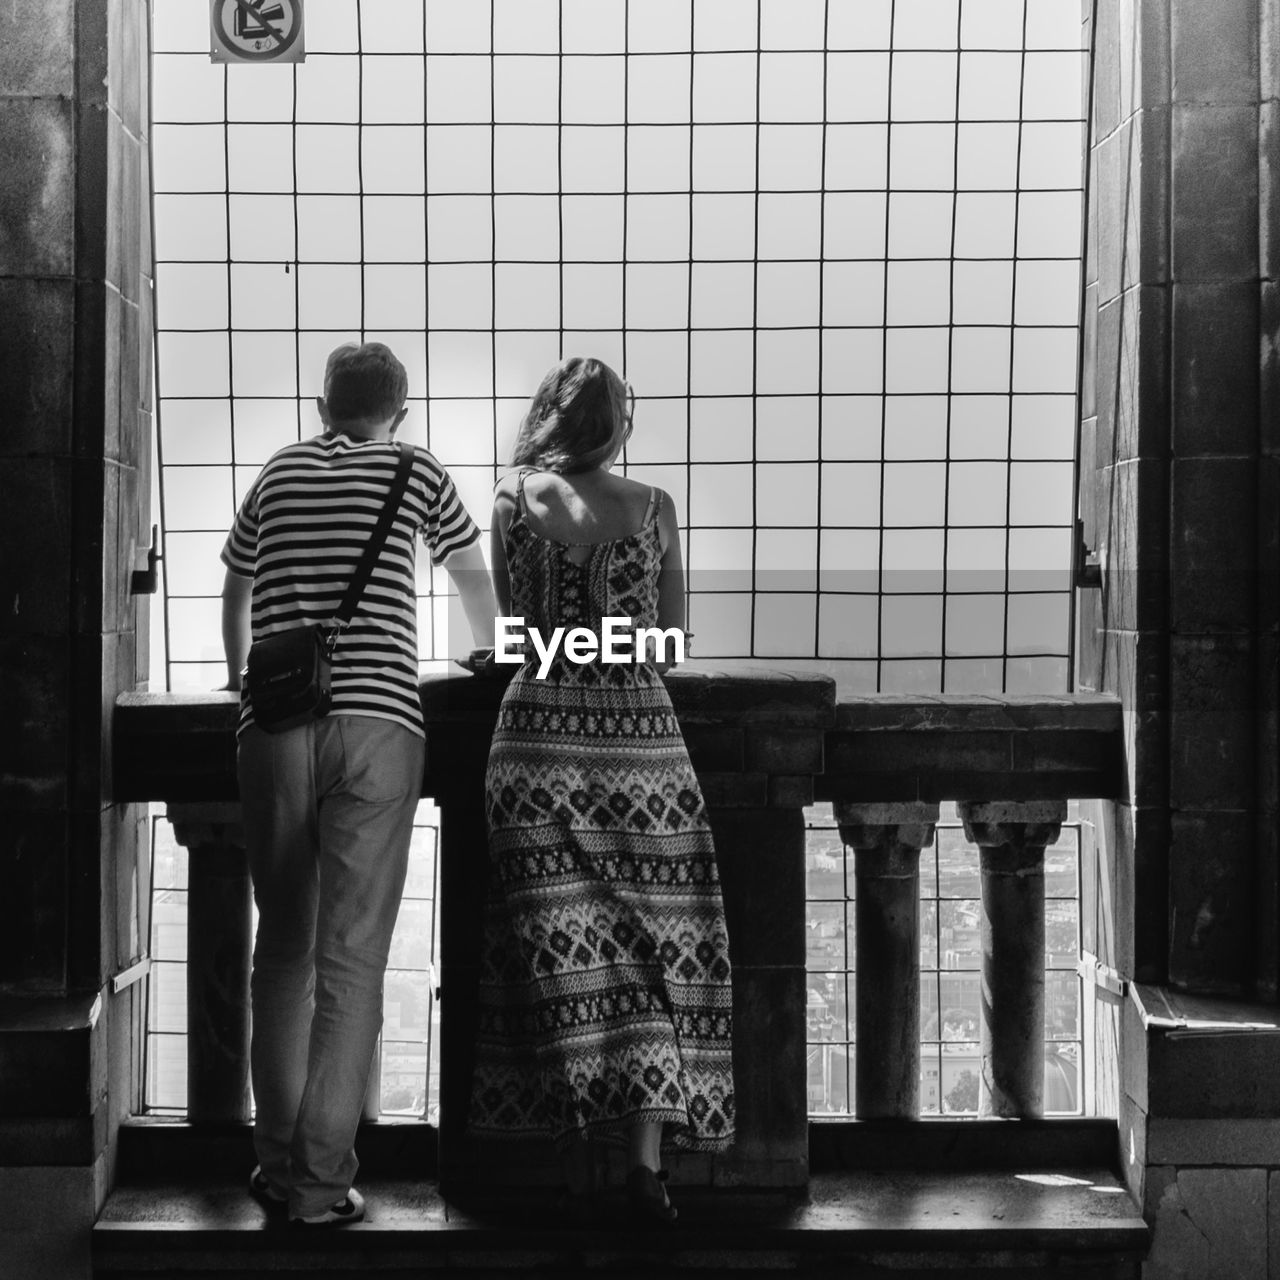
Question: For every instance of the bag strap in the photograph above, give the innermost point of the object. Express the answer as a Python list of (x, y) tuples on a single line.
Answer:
[(373, 548)]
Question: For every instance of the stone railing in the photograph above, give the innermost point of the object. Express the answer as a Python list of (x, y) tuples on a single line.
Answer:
[(765, 744), (1011, 763)]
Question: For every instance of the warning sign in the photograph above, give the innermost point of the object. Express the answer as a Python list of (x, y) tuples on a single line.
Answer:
[(255, 30)]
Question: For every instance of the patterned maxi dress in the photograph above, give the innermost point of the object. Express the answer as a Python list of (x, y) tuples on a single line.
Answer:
[(605, 996)]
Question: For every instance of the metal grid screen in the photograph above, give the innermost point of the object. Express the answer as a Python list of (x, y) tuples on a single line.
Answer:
[(834, 246)]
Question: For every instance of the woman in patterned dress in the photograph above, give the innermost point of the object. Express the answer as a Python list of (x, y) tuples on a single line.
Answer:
[(605, 999)]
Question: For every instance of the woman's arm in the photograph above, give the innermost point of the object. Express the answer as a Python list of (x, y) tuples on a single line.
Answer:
[(504, 507)]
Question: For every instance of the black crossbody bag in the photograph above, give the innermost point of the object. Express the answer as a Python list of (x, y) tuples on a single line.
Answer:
[(288, 674)]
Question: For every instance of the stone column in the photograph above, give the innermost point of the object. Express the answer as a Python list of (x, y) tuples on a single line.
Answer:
[(219, 960), (460, 713), (1012, 838), (887, 840)]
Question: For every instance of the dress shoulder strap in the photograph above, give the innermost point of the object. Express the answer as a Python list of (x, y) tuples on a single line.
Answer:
[(655, 505), (521, 507)]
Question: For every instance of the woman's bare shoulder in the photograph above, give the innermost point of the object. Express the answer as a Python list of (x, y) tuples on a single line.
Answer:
[(629, 486), (506, 485)]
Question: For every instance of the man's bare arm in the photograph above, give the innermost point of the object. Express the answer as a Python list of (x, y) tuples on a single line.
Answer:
[(236, 592), (470, 575)]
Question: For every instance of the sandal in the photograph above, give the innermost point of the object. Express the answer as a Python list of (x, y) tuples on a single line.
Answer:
[(648, 1197), (575, 1205), (576, 1208)]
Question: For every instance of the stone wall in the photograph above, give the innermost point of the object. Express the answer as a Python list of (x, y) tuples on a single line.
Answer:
[(75, 380), (1179, 488), (1179, 475)]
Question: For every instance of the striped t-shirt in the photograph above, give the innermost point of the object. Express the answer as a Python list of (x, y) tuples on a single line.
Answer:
[(299, 535)]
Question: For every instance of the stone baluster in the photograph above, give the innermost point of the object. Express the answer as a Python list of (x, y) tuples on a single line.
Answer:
[(219, 959), (887, 840), (1012, 837)]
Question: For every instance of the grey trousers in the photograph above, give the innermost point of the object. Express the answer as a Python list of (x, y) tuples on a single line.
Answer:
[(328, 816)]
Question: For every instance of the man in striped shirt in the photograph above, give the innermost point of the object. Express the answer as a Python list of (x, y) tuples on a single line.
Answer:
[(329, 806)]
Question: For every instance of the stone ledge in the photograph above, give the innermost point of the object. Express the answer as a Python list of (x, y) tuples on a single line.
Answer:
[(873, 747), (964, 713), (964, 1144), (171, 746), (849, 1224), (1208, 1058), (974, 747), (51, 1051), (169, 1147)]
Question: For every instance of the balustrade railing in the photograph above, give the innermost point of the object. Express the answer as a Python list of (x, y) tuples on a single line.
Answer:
[(766, 744)]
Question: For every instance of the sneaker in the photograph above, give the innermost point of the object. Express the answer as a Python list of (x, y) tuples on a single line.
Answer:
[(263, 1192), (349, 1209)]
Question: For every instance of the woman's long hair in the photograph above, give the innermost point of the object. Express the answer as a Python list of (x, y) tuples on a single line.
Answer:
[(576, 420)]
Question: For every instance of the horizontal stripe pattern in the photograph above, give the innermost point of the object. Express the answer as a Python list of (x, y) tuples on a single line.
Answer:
[(300, 533)]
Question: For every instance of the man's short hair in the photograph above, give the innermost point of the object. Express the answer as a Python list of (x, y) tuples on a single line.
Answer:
[(364, 383)]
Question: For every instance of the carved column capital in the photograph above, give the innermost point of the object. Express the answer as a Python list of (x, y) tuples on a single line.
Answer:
[(1012, 824), (898, 830), (199, 824)]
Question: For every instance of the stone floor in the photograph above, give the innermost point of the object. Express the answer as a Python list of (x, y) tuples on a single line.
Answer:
[(851, 1224)]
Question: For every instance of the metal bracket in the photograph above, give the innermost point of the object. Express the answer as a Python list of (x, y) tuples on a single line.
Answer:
[(127, 977), (1088, 564), (145, 581), (1102, 976)]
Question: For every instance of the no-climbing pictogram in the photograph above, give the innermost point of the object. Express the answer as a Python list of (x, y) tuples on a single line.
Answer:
[(255, 30)]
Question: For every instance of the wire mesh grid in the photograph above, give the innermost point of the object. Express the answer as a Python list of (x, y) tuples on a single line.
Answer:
[(835, 247)]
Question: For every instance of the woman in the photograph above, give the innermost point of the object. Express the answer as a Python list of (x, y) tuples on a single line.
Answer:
[(605, 1003)]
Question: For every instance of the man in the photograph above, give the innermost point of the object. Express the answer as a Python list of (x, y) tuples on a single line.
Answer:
[(329, 805)]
